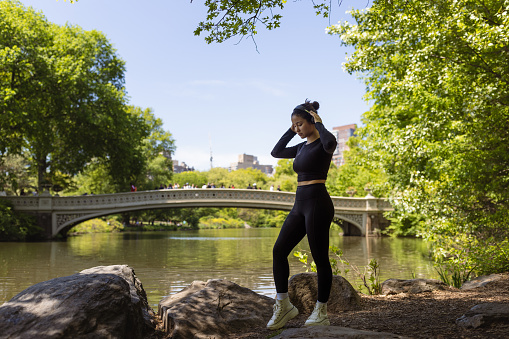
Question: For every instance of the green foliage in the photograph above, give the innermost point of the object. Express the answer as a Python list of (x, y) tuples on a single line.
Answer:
[(151, 167), (97, 226), (159, 142), (14, 175), (262, 218), (215, 222), (452, 274), (196, 178), (158, 172), (229, 18), (338, 259), (286, 183), (190, 217), (93, 179), (156, 227), (404, 224), (464, 253), (62, 98), (219, 176), (357, 174), (241, 178), (284, 176), (489, 255), (436, 74), (303, 258), (16, 226), (370, 277), (284, 167)]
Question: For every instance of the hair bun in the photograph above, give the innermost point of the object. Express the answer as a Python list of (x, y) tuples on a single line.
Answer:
[(316, 105)]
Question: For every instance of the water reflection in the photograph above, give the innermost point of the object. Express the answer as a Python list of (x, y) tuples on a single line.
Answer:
[(166, 262), (212, 238)]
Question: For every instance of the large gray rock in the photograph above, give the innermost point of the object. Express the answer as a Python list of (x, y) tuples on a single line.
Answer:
[(481, 281), (320, 332), (138, 295), (484, 314), (96, 305), (303, 291), (396, 286), (213, 309)]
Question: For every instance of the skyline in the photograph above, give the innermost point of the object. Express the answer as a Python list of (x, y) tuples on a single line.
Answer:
[(235, 97)]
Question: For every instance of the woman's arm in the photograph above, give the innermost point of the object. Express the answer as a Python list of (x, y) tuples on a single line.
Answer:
[(327, 139), (281, 151)]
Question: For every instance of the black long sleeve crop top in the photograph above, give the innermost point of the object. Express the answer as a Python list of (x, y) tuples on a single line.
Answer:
[(312, 160)]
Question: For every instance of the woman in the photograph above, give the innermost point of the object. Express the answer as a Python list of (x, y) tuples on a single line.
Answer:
[(311, 214)]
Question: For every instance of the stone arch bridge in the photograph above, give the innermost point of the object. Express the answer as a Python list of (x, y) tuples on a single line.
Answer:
[(356, 216)]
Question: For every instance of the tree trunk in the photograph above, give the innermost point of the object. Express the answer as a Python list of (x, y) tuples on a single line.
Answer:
[(126, 219), (42, 165)]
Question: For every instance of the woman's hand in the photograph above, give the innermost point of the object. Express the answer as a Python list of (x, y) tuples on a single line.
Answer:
[(315, 116)]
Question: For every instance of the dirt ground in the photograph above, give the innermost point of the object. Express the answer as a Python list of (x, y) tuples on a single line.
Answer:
[(424, 315)]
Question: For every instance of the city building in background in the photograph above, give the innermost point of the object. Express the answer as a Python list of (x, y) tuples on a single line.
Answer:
[(181, 167), (342, 134), (250, 161)]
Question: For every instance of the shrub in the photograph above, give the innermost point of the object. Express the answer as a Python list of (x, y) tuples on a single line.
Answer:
[(218, 222), (97, 226), (17, 226)]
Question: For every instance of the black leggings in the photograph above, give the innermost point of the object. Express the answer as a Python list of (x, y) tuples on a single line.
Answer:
[(311, 215)]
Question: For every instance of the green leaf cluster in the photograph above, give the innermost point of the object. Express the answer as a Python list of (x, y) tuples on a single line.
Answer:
[(62, 99), (241, 178), (229, 18), (97, 226), (13, 175), (370, 277), (219, 222), (436, 73), (357, 176), (16, 226)]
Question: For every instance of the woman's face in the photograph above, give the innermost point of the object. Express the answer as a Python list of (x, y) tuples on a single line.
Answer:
[(302, 127)]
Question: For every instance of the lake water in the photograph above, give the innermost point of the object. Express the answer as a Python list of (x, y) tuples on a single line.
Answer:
[(166, 262)]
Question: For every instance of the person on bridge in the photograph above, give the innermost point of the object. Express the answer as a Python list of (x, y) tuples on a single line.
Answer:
[(311, 214)]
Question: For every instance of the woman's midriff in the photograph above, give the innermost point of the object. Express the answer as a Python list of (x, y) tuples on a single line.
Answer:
[(310, 182)]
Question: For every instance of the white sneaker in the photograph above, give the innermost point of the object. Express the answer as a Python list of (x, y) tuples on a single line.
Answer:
[(283, 312), (318, 317)]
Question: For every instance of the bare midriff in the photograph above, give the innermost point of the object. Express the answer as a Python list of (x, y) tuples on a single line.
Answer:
[(310, 182)]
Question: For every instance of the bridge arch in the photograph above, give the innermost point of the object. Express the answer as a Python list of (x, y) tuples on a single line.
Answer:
[(73, 219)]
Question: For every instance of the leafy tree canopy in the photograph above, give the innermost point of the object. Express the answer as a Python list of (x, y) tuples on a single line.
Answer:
[(230, 18), (62, 98), (436, 73), (357, 174), (154, 165)]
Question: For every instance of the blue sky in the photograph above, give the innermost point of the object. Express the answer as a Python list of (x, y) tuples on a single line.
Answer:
[(228, 96)]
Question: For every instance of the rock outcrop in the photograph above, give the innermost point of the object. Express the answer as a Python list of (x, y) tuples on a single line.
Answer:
[(333, 332), (303, 291), (138, 294), (484, 314), (213, 309), (396, 286), (97, 304), (481, 281)]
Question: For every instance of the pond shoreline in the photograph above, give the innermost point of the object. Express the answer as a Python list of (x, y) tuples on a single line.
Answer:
[(167, 262), (423, 315)]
